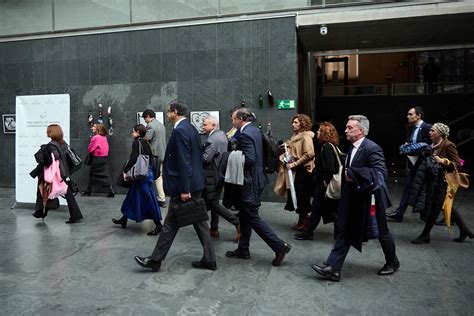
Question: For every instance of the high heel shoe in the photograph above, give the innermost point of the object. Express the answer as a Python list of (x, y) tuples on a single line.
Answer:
[(87, 192), (462, 235), (111, 192), (122, 221)]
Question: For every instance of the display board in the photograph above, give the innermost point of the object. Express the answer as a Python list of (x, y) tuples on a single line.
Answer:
[(33, 115)]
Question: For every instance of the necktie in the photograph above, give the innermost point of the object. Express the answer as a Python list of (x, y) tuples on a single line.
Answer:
[(414, 135), (349, 154)]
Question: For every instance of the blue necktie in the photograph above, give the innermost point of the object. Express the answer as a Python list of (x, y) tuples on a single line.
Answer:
[(414, 136)]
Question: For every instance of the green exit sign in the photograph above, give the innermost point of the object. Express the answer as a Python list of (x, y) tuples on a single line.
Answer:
[(285, 104)]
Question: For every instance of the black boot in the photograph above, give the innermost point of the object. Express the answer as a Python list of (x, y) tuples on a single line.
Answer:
[(157, 230), (87, 192), (111, 192), (39, 214), (464, 232), (424, 238), (122, 221)]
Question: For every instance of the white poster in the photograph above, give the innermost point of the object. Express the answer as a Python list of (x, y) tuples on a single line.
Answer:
[(197, 118), (33, 115)]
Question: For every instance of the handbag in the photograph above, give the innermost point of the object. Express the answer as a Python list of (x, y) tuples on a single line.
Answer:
[(52, 176), (139, 170), (333, 191), (88, 159), (458, 178), (190, 212)]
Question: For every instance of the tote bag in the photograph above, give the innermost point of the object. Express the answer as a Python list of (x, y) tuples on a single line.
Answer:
[(52, 175), (333, 191), (139, 170)]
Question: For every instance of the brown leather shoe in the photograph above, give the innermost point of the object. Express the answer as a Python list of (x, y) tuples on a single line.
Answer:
[(214, 232), (281, 254)]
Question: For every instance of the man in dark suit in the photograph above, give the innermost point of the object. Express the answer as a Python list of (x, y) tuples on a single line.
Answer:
[(215, 145), (249, 142), (418, 133), (365, 173), (183, 179)]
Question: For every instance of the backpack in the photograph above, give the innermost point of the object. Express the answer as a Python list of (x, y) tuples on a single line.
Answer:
[(73, 160), (271, 153)]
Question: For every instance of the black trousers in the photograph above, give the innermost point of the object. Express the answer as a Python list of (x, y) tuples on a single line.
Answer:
[(341, 247), (73, 207)]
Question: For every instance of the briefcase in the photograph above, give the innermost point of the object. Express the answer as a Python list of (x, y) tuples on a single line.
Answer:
[(190, 212)]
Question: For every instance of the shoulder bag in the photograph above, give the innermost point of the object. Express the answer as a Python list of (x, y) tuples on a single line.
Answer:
[(460, 179), (139, 170), (333, 191)]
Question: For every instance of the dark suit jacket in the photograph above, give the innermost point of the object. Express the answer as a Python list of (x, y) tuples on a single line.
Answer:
[(182, 166), (423, 136), (354, 205), (249, 142)]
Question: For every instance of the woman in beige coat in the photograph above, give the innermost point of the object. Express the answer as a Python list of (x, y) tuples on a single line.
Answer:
[(301, 149)]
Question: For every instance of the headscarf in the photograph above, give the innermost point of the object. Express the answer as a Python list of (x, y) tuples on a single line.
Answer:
[(442, 129)]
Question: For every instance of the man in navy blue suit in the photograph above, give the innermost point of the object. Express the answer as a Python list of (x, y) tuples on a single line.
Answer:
[(365, 173), (183, 179), (418, 133), (249, 141)]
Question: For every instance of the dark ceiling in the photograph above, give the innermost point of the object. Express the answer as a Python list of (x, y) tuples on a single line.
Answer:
[(432, 31)]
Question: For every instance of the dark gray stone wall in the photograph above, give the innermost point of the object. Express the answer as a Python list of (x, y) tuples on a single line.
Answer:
[(211, 67)]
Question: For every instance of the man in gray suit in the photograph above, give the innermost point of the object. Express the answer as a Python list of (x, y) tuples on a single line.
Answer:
[(156, 136), (215, 145)]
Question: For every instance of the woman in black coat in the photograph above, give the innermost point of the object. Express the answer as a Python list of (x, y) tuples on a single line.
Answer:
[(326, 165), (141, 202), (57, 146)]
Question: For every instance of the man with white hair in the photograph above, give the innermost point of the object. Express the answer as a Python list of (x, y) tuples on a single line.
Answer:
[(215, 145), (365, 173)]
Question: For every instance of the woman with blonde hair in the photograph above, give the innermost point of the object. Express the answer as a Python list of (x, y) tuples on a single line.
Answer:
[(443, 158), (300, 148), (98, 150)]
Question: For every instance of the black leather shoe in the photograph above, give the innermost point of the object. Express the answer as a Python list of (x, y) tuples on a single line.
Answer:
[(305, 235), (421, 240), (87, 192), (162, 203), (148, 263), (204, 265), (281, 254), (155, 231), (389, 268), (395, 217), (38, 214), (237, 254), (327, 272), (73, 220), (122, 221)]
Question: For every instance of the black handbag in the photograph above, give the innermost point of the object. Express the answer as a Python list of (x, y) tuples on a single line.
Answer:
[(122, 183), (88, 159), (190, 212)]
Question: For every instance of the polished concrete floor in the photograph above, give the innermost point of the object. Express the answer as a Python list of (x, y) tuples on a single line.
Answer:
[(51, 268)]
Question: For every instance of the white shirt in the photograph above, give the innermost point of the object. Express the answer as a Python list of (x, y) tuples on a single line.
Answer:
[(243, 126), (415, 132), (356, 145), (178, 121)]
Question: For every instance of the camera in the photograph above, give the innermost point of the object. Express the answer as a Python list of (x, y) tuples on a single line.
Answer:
[(323, 30)]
